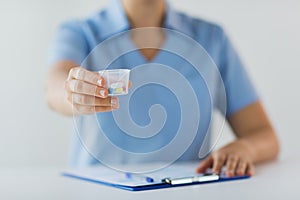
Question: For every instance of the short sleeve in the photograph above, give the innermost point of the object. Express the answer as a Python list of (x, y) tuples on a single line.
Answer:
[(239, 89), (69, 43)]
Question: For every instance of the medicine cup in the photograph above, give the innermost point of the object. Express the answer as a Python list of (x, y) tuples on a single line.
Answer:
[(116, 81)]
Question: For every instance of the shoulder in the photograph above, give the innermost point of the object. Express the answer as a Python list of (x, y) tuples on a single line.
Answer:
[(200, 27), (210, 35), (93, 24)]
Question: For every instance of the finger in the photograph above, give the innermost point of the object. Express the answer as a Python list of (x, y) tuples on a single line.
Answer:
[(92, 100), (231, 164), (250, 169), (241, 168), (82, 87), (82, 74), (218, 163), (80, 109), (205, 164)]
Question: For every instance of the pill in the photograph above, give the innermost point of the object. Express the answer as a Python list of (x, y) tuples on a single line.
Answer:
[(118, 90), (116, 85), (110, 90)]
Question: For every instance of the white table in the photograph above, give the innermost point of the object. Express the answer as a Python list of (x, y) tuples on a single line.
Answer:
[(276, 180)]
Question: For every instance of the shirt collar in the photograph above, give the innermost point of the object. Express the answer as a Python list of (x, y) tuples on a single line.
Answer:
[(172, 19), (117, 19), (118, 22)]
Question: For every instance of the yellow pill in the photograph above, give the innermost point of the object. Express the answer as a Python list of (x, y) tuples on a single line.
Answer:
[(118, 90)]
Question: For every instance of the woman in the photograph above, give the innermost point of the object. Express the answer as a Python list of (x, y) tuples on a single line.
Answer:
[(256, 140)]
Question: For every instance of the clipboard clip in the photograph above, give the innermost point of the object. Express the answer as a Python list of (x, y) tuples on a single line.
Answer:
[(207, 177)]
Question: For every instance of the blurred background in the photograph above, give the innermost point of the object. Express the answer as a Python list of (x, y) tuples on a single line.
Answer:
[(265, 32)]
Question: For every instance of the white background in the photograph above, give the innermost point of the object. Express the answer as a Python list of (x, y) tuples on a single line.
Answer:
[(265, 32)]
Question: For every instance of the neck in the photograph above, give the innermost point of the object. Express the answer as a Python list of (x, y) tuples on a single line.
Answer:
[(145, 13)]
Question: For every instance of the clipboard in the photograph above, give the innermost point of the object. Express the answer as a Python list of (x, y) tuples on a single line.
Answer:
[(177, 175)]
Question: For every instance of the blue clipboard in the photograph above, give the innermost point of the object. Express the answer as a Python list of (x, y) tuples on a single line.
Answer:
[(108, 177)]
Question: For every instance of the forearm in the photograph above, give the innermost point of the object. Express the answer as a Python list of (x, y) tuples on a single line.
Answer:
[(253, 128), (55, 90), (262, 144)]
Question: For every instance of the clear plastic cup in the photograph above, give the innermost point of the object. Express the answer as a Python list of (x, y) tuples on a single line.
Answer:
[(116, 81)]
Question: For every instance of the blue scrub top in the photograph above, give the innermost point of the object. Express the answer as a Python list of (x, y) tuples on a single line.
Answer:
[(75, 39)]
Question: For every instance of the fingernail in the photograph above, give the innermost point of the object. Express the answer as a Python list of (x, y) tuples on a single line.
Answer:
[(99, 82), (198, 170), (229, 173), (102, 93)]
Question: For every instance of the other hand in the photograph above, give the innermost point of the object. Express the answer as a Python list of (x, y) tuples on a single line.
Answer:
[(236, 156)]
